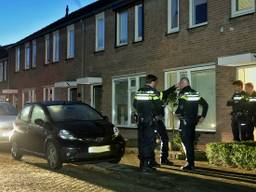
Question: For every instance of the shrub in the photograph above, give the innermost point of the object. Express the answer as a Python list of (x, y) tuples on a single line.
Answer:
[(236, 154)]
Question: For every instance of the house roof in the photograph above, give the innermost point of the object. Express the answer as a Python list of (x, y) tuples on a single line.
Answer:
[(75, 16)]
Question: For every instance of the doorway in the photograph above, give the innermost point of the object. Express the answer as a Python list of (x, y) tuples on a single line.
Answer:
[(96, 97)]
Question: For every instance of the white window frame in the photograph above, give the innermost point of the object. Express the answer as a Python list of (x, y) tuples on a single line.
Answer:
[(188, 72), (170, 29), (34, 56), (27, 56), (235, 13), (118, 28), (138, 38), (31, 95), (130, 90), (47, 49), (70, 53), (50, 95), (56, 46), (97, 18), (191, 16), (17, 59)]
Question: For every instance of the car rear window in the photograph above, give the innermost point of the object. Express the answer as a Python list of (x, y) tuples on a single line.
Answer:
[(74, 112), (7, 109)]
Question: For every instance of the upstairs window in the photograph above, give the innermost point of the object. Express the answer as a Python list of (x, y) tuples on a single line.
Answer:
[(47, 49), (122, 28), (70, 41), (173, 16), (17, 60), (242, 7), (56, 46), (198, 13), (27, 56), (100, 32), (139, 23), (34, 53)]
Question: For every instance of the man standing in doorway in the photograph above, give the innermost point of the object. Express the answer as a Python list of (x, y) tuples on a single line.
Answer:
[(187, 111)]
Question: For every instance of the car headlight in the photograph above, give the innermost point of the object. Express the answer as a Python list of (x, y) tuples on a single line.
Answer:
[(116, 131), (66, 135)]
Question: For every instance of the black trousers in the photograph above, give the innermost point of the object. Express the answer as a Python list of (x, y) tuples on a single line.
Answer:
[(146, 141), (162, 132), (249, 131), (188, 139), (240, 128)]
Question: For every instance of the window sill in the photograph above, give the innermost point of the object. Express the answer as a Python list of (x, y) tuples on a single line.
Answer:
[(198, 25), (70, 58), (99, 51), (210, 131), (241, 14), (172, 31), (55, 62), (122, 45), (138, 41)]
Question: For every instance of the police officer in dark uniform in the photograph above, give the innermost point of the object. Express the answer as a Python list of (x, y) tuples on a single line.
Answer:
[(251, 94), (148, 104), (240, 112), (187, 111)]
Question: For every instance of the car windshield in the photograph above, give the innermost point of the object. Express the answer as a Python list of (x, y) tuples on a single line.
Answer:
[(7, 109), (75, 112)]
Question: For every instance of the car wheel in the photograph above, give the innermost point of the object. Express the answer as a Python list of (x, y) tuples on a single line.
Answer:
[(115, 161), (15, 151), (53, 157)]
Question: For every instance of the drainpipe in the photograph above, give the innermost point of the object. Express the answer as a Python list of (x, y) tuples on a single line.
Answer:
[(83, 57)]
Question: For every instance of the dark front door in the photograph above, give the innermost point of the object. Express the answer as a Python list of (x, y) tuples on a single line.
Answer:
[(97, 97), (73, 94)]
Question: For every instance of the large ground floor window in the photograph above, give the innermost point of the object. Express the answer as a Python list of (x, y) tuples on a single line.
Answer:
[(124, 90), (247, 74), (28, 96), (203, 79)]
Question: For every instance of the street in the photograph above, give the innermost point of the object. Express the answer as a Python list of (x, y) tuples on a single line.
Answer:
[(32, 174)]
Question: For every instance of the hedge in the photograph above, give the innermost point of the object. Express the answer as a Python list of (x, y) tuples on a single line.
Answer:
[(236, 154)]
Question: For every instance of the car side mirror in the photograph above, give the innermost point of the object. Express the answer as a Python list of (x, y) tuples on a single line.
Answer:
[(106, 118), (40, 122)]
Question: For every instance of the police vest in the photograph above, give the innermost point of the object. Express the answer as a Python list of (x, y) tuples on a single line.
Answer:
[(190, 96), (148, 96)]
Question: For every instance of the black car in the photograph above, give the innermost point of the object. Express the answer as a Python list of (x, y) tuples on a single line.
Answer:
[(64, 132)]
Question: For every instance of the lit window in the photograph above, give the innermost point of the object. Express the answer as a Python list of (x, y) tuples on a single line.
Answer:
[(198, 13), (17, 58), (100, 32), (27, 56), (173, 16), (139, 23), (47, 49), (207, 90), (56, 46), (70, 41), (122, 28), (34, 53), (124, 91), (242, 7)]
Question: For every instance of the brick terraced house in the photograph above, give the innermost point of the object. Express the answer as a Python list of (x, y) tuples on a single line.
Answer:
[(102, 53)]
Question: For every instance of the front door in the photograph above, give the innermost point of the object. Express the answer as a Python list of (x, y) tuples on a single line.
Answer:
[(73, 94), (97, 97)]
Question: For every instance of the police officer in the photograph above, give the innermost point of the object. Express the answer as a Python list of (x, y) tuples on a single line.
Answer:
[(251, 94), (148, 104), (187, 111), (240, 112)]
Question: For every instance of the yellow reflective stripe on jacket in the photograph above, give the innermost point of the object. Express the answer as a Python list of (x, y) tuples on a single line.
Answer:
[(146, 97), (161, 95), (191, 97)]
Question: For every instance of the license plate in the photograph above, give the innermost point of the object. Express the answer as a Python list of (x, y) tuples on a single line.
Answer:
[(99, 149)]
